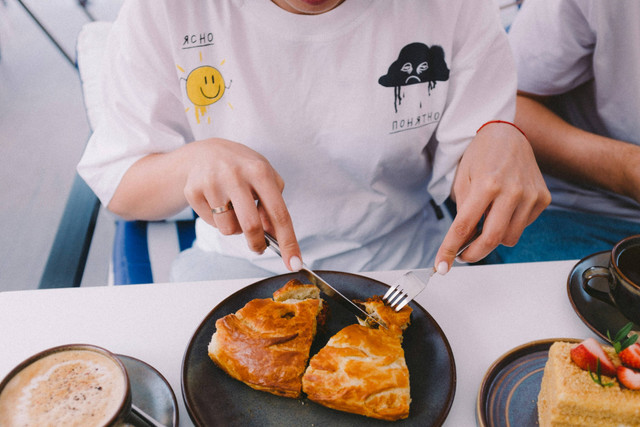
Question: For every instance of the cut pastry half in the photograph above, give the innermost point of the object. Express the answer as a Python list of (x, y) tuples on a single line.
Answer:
[(362, 370), (266, 343)]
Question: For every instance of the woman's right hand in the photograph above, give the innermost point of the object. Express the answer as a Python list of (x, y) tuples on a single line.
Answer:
[(224, 171), (209, 174)]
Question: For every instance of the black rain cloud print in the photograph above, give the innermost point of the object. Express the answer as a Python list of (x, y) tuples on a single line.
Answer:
[(417, 63)]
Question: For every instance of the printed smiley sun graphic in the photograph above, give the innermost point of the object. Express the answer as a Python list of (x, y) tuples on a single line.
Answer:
[(205, 86)]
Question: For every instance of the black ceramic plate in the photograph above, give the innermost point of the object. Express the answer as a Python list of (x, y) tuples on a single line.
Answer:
[(508, 394), (600, 317), (213, 398), (151, 392)]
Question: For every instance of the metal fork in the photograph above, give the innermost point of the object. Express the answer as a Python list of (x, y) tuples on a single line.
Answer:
[(410, 285)]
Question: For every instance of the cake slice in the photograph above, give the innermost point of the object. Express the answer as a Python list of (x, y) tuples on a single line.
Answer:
[(266, 343), (573, 396), (362, 370)]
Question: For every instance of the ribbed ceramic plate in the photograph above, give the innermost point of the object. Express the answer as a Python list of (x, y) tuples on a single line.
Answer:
[(508, 394)]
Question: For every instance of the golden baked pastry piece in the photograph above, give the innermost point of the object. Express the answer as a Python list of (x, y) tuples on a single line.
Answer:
[(569, 396), (266, 343), (363, 370)]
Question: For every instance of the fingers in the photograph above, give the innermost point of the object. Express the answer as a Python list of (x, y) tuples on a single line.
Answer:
[(505, 218), (205, 201), (270, 214), (245, 220), (239, 176), (462, 229), (517, 205), (277, 221), (497, 177)]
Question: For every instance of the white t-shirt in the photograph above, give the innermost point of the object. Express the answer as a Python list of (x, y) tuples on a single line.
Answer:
[(589, 49), (364, 111)]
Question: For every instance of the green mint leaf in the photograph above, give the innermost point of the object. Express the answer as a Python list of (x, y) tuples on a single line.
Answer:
[(629, 341), (623, 332), (621, 341)]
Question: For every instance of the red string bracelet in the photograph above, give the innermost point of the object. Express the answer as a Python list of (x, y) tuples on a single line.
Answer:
[(502, 121)]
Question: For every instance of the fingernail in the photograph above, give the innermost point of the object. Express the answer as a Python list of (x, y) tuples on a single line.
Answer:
[(442, 268), (295, 263)]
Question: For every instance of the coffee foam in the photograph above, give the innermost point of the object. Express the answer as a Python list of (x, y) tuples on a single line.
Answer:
[(70, 388)]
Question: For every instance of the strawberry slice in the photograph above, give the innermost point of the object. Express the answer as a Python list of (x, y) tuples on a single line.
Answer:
[(628, 377), (586, 356), (630, 356)]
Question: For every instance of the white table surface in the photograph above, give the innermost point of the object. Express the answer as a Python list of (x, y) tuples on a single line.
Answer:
[(484, 312)]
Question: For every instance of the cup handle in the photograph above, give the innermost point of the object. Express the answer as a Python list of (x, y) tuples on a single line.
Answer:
[(139, 418), (592, 273)]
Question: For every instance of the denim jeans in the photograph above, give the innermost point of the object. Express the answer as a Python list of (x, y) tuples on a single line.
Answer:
[(561, 235)]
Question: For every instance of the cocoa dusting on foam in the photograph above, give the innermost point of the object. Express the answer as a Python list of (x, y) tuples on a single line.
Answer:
[(70, 388)]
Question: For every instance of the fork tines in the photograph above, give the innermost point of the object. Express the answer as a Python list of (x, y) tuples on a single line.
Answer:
[(394, 296), (406, 288)]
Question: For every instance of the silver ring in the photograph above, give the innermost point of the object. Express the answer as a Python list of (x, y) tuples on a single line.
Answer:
[(221, 209)]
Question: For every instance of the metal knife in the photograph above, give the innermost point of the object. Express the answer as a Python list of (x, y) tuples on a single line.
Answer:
[(329, 290)]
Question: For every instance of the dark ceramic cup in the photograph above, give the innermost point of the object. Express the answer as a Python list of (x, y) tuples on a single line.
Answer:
[(623, 276)]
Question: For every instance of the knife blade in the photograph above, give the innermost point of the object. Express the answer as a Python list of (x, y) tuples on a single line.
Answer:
[(325, 287)]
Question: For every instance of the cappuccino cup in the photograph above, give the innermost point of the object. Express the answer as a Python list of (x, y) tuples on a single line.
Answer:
[(70, 385), (623, 276)]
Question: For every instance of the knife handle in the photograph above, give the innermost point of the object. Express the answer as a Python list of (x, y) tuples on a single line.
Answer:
[(272, 243)]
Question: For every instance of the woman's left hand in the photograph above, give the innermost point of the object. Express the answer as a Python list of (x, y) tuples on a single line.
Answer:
[(497, 177)]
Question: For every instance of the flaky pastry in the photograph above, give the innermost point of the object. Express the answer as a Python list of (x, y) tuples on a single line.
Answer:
[(266, 343), (363, 370)]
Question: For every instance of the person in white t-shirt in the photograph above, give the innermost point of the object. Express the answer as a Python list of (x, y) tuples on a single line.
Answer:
[(368, 111), (579, 104)]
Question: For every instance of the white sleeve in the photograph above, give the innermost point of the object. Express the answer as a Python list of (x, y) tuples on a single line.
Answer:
[(482, 88), (553, 44), (143, 110)]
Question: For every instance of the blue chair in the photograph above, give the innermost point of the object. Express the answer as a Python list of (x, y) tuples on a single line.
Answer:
[(133, 249)]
